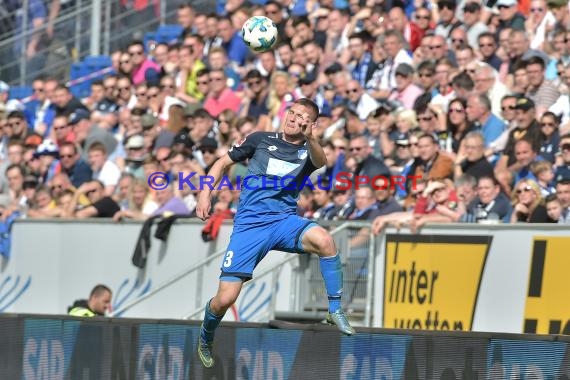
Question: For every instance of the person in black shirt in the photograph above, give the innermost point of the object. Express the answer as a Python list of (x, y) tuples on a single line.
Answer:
[(528, 203), (100, 207), (471, 159)]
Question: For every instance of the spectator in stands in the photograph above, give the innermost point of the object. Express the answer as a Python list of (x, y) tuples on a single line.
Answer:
[(490, 204), (434, 164), (527, 128), (230, 39), (143, 67), (543, 171), (65, 102), (101, 206), (103, 169), (16, 127), (15, 175), (563, 194), (406, 92), (479, 111), (472, 160), (541, 91), (73, 165), (365, 204), (62, 130), (442, 204), (367, 165), (169, 204), (549, 126), (553, 209), (324, 203), (190, 66), (528, 204), (255, 98), (139, 202), (220, 96), (563, 160)]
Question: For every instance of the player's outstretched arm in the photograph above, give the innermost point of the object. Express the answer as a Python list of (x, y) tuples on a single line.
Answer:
[(204, 197)]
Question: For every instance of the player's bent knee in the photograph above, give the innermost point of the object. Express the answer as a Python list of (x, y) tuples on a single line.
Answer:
[(319, 241)]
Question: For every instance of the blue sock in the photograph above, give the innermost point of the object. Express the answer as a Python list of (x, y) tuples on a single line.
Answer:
[(331, 271), (210, 324)]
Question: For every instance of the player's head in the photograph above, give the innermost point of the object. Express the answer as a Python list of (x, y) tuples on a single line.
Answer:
[(303, 111)]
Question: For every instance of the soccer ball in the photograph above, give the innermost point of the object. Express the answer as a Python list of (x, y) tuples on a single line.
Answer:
[(259, 33)]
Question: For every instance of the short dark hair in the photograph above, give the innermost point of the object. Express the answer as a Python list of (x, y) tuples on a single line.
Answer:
[(551, 198), (534, 60), (306, 102), (490, 178), (99, 289)]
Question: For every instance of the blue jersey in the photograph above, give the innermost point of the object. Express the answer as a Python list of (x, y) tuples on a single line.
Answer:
[(276, 173)]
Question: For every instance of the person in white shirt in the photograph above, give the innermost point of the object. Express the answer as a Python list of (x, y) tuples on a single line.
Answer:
[(103, 169)]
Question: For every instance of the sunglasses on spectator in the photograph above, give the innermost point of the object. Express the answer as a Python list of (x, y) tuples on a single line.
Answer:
[(525, 189), (354, 91), (356, 148), (425, 118), (138, 52), (208, 150), (547, 125), (507, 108), (425, 75), (253, 82), (456, 110), (565, 147), (419, 17)]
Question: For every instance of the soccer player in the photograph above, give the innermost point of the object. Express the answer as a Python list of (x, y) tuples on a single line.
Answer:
[(266, 217)]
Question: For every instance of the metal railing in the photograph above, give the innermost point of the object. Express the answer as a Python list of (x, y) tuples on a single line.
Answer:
[(96, 27), (297, 292)]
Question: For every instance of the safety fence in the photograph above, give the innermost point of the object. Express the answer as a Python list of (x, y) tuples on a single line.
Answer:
[(54, 347)]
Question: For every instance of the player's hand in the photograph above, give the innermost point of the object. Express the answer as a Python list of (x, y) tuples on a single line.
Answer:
[(203, 206), (307, 126)]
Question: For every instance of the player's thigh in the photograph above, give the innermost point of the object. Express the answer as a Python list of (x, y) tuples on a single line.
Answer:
[(246, 249), (297, 234)]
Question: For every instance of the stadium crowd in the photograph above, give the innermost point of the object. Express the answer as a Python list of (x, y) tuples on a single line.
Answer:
[(473, 97)]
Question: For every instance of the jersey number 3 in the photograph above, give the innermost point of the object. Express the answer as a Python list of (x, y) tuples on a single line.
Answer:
[(228, 259)]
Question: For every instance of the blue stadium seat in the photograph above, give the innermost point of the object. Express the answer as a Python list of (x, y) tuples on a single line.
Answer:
[(89, 65), (20, 92), (168, 33)]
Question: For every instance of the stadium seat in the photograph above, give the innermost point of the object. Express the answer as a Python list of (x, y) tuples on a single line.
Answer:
[(89, 65), (20, 92)]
